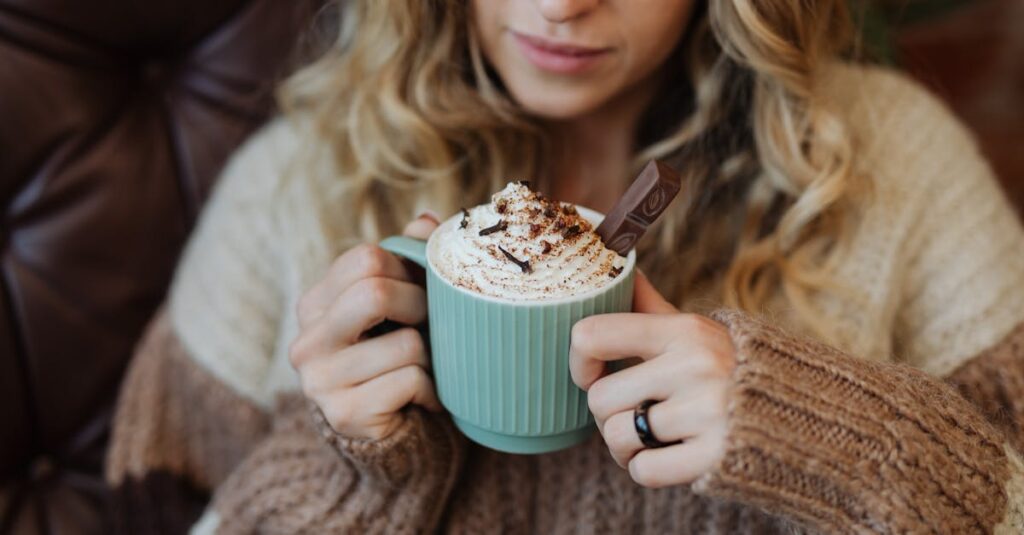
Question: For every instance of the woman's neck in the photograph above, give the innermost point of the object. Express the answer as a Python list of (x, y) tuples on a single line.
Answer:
[(593, 152)]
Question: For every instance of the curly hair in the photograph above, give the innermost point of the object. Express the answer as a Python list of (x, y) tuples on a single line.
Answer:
[(407, 115)]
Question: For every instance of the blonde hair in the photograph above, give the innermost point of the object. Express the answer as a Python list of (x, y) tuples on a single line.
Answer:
[(403, 109)]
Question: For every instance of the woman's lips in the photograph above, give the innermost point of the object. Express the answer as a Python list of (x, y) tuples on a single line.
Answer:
[(561, 58)]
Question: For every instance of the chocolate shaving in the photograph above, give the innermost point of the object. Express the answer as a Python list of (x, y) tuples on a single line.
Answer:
[(547, 246), (502, 206), (523, 264), (615, 272), (571, 232), (568, 209), (549, 212), (560, 224), (497, 227), (465, 218)]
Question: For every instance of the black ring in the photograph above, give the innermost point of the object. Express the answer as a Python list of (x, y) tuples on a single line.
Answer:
[(643, 425)]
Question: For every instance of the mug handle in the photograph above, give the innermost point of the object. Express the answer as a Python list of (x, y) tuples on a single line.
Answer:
[(406, 247), (410, 249)]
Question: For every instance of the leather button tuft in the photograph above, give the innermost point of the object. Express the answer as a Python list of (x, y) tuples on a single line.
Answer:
[(155, 72), (42, 468)]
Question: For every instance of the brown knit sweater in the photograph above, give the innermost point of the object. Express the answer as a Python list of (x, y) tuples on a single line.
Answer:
[(914, 426), (819, 441)]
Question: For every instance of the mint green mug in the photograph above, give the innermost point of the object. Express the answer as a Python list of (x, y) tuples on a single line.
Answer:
[(501, 367)]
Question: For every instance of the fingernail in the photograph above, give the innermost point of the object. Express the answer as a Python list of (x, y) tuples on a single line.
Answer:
[(431, 215)]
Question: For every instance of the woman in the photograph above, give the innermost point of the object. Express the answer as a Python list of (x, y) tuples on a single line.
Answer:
[(842, 204)]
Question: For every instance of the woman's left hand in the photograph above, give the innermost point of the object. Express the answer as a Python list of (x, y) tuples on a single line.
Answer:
[(687, 364)]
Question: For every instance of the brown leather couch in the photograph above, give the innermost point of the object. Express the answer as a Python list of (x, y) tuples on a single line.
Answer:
[(115, 118)]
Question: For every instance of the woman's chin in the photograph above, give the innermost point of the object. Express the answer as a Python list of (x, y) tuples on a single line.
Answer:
[(558, 105)]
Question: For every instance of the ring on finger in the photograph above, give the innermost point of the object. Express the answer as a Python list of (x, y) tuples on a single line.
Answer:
[(642, 424)]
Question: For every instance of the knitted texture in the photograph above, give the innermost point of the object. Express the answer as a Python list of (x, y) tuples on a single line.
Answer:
[(819, 441), (174, 416), (936, 262), (178, 433), (848, 434), (227, 299), (296, 482), (994, 382), (846, 445)]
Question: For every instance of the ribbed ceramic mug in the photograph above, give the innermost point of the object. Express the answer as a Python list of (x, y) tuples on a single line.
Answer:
[(501, 367)]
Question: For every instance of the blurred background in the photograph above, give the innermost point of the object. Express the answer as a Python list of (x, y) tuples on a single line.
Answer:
[(116, 117)]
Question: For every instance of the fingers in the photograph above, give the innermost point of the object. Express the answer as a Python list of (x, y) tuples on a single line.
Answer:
[(647, 299), (361, 262), (388, 393), (679, 464), (360, 383), (423, 226), (371, 301), (372, 409), (671, 421), (620, 435), (364, 361), (625, 389), (365, 304), (673, 375), (605, 337)]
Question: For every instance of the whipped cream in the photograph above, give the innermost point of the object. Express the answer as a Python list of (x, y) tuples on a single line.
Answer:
[(524, 246)]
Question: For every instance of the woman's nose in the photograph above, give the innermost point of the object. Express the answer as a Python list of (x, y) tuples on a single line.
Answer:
[(565, 10)]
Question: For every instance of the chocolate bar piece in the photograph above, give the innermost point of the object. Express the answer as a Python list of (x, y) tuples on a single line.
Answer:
[(645, 200)]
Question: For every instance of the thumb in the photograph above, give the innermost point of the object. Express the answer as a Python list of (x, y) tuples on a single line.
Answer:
[(646, 298), (422, 226)]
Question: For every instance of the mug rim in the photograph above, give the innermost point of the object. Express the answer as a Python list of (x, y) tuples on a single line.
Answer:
[(593, 216)]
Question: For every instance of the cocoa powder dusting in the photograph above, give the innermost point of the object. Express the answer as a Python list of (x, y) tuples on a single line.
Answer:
[(538, 235)]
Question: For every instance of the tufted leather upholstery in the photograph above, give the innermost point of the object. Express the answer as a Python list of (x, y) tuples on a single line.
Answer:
[(115, 117)]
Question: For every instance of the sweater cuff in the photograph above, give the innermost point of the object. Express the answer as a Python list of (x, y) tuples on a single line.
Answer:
[(843, 444), (423, 443)]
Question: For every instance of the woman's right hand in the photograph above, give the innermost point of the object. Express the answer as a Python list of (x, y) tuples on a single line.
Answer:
[(361, 383)]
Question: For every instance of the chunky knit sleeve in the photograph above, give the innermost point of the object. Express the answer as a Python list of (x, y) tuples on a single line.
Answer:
[(305, 478), (845, 445)]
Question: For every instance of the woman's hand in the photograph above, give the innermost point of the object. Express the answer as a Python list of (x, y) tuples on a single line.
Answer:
[(687, 363), (360, 383)]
